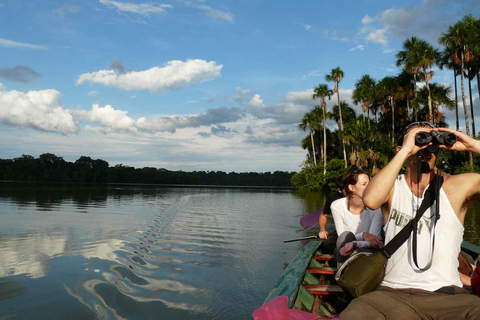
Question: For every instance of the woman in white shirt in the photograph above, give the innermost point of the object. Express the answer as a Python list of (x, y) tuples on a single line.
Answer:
[(359, 228)]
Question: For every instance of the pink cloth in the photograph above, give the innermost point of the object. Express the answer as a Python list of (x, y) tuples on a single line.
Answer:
[(277, 309)]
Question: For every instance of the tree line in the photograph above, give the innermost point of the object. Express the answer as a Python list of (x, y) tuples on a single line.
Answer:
[(368, 140), (51, 168)]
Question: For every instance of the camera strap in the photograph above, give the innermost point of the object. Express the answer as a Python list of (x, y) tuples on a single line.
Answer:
[(432, 195), (389, 249)]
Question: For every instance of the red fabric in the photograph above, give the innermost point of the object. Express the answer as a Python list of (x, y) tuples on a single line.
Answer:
[(277, 309), (476, 281)]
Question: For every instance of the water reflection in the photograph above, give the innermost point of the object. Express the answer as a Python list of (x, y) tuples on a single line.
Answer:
[(130, 252)]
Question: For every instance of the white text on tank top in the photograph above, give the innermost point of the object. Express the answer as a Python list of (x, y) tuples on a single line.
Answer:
[(401, 271)]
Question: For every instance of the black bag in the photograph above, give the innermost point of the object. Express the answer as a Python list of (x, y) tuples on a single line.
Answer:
[(364, 271)]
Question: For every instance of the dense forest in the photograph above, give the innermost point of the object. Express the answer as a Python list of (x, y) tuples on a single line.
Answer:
[(368, 141), (51, 168)]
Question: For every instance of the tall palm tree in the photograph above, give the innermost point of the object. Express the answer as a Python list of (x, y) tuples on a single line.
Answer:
[(440, 96), (364, 93), (388, 89), (405, 89), (336, 75), (321, 92), (471, 76), (428, 57), (311, 121), (348, 113), (409, 59), (471, 29), (457, 39), (447, 60)]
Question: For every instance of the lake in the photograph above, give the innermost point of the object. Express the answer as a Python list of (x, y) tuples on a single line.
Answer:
[(148, 252)]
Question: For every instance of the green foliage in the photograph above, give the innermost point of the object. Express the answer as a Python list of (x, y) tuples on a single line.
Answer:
[(465, 168), (312, 178), (299, 179)]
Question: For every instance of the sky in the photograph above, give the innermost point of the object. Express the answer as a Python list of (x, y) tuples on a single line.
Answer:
[(193, 85)]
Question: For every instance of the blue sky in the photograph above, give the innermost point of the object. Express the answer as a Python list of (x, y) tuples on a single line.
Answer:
[(192, 85)]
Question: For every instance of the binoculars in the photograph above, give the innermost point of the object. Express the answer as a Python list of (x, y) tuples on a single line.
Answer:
[(436, 137)]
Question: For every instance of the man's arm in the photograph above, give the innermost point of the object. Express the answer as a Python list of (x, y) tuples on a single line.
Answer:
[(380, 189), (463, 188)]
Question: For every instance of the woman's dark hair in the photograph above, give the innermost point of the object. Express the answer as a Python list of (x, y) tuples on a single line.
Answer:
[(351, 178), (339, 183)]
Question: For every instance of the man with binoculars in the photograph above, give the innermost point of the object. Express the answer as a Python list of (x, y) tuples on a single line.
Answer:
[(421, 278)]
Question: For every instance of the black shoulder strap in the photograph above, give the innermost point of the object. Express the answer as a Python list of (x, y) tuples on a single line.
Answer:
[(389, 249)]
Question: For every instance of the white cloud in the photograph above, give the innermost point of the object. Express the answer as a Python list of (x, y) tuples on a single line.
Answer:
[(14, 44), (427, 20), (175, 75), (110, 118), (143, 9), (359, 47), (301, 97), (40, 110), (367, 20), (377, 36), (256, 102), (217, 14), (307, 27), (92, 93)]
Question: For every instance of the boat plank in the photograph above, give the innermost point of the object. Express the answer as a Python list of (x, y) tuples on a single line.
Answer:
[(324, 257), (323, 289), (322, 270)]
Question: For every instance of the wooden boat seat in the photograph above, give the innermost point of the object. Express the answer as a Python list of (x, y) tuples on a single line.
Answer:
[(324, 257), (322, 270), (323, 289)]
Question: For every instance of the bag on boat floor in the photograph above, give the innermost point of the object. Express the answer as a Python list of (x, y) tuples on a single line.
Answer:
[(364, 271), (361, 273)]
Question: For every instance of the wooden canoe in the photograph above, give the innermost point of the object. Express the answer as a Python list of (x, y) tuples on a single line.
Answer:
[(309, 282)]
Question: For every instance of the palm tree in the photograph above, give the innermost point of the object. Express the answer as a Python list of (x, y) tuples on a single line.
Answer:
[(471, 29), (310, 120), (388, 89), (457, 39), (364, 93), (348, 112), (336, 75), (470, 76), (321, 92), (405, 89), (447, 60), (428, 57), (440, 96), (410, 60)]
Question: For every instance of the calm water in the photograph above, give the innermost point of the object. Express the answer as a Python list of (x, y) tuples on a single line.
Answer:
[(142, 252), (139, 252)]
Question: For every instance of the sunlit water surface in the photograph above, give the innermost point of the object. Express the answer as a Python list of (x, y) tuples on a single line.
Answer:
[(143, 252)]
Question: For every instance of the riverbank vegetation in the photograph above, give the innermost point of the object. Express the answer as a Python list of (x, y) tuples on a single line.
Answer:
[(51, 168), (368, 140)]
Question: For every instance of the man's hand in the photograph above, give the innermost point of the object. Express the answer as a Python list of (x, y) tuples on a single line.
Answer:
[(348, 248), (373, 240), (409, 140), (323, 234), (464, 142)]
